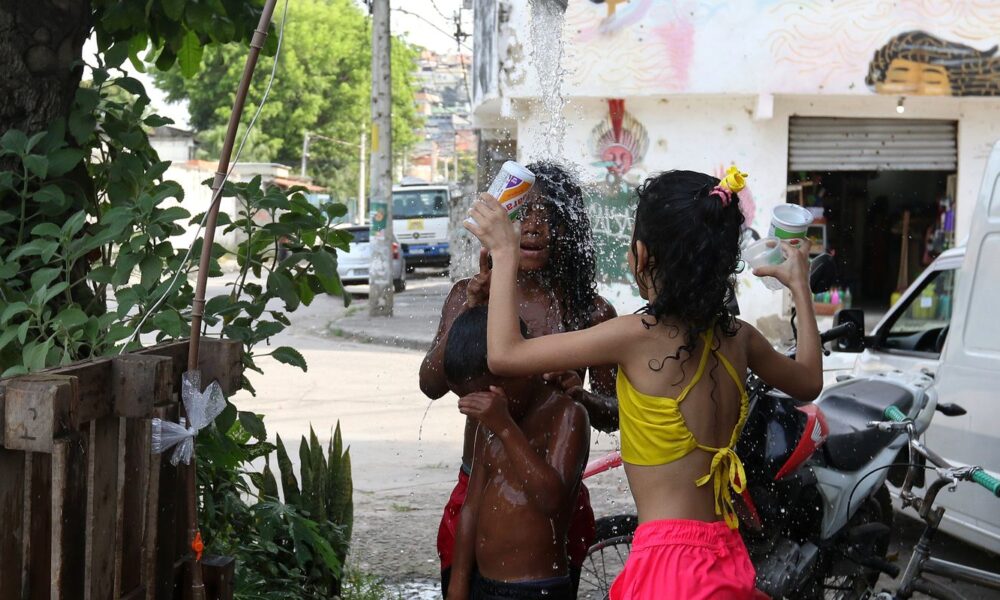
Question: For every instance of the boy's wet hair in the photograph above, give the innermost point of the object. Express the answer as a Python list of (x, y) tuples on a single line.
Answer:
[(465, 350), (693, 240), (572, 267)]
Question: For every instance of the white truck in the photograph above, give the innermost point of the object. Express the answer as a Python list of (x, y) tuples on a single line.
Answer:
[(947, 324)]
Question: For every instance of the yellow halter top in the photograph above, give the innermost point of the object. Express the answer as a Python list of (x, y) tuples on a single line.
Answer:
[(653, 432)]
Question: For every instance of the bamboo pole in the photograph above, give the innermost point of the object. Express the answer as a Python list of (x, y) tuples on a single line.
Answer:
[(198, 307)]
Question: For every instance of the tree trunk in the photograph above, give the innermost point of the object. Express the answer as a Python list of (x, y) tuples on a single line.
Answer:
[(41, 44)]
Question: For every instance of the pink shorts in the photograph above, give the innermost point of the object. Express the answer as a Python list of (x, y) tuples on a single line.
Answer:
[(693, 560)]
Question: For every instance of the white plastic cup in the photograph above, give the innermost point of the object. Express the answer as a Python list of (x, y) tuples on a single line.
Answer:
[(789, 221), (765, 252), (509, 187)]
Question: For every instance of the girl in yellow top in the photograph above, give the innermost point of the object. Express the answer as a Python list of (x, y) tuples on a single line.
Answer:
[(681, 363)]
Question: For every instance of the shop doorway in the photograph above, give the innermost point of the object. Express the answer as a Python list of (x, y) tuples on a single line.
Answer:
[(882, 192), (863, 218)]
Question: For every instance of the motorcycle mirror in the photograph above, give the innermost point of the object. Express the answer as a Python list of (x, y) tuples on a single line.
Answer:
[(852, 343), (822, 273), (950, 409)]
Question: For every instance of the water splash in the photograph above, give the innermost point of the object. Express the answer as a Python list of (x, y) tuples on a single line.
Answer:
[(547, 48)]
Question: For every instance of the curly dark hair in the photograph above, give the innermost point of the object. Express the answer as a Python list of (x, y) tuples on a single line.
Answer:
[(572, 267), (693, 241)]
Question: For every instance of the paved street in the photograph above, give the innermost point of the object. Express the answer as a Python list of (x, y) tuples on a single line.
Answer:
[(405, 450)]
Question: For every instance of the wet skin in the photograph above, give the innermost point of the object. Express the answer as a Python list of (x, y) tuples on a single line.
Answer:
[(530, 452), (541, 310)]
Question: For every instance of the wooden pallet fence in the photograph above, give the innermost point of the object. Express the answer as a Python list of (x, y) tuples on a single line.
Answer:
[(86, 510)]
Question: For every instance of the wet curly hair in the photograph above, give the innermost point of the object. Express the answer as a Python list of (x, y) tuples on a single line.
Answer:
[(572, 266), (693, 242)]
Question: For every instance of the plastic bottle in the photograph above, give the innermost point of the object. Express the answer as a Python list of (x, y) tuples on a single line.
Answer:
[(847, 297), (835, 297)]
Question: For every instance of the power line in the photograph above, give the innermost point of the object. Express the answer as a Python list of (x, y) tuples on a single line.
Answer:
[(434, 4), (431, 23)]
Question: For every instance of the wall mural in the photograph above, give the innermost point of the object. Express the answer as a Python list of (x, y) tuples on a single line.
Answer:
[(919, 63), (619, 143)]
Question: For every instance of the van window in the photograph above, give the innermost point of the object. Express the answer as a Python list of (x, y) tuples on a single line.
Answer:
[(419, 204), (360, 235), (920, 325)]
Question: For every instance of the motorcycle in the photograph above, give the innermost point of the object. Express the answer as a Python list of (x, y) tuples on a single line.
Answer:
[(816, 515)]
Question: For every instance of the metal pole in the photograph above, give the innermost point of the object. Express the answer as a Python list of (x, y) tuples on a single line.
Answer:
[(198, 305), (380, 298), (362, 212), (305, 153)]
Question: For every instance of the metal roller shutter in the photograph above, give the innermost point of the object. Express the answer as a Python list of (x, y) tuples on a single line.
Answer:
[(826, 144)]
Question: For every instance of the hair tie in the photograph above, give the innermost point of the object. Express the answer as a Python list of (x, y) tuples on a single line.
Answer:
[(732, 182)]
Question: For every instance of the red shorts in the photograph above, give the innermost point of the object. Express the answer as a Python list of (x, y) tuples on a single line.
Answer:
[(694, 560), (580, 536)]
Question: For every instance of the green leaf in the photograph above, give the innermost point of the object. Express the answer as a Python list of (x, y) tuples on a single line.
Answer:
[(37, 165), (22, 331), (280, 284), (131, 85), (170, 323), (289, 485), (189, 56), (34, 355), (74, 224), (33, 141), (136, 45), (11, 311), (50, 230), (43, 277), (290, 356), (54, 291), (63, 160), (102, 274), (71, 317), (253, 424), (81, 125), (150, 268), (173, 9), (14, 141), (50, 194), (7, 336), (157, 121), (325, 264), (14, 371)]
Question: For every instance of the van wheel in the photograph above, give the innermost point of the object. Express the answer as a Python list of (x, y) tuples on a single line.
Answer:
[(410, 269), (399, 285)]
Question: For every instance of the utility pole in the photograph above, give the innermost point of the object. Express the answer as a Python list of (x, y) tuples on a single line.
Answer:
[(362, 213), (380, 290), (305, 153)]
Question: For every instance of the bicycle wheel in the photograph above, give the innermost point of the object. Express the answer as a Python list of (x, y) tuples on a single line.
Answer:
[(606, 556)]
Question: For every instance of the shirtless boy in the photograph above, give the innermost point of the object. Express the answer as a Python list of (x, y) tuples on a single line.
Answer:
[(530, 449)]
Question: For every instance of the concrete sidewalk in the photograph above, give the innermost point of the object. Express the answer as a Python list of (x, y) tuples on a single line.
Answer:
[(413, 324)]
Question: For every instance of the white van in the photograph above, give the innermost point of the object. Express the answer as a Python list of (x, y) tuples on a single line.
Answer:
[(420, 223), (947, 324)]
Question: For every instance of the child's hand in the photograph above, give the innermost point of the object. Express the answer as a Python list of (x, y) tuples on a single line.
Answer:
[(489, 408), (569, 381), (478, 292), (794, 272), (492, 226)]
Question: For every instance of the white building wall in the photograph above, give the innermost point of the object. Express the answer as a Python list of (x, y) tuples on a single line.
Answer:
[(707, 133)]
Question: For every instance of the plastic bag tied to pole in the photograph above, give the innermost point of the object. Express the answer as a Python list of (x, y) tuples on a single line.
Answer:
[(202, 407)]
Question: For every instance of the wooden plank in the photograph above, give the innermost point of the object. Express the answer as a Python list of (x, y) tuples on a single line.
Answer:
[(12, 476), (37, 409), (140, 382), (167, 522), (38, 528), (69, 511), (222, 361), (102, 509), (135, 490), (220, 576), (150, 552)]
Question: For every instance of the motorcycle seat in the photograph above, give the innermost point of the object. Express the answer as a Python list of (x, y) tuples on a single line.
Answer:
[(850, 443)]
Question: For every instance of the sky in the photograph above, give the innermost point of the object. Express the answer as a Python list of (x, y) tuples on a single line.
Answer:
[(421, 24)]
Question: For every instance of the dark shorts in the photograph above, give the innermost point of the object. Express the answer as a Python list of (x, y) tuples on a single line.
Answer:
[(574, 576), (556, 588)]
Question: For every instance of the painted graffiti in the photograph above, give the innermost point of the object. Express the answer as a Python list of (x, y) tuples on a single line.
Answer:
[(619, 142), (919, 63)]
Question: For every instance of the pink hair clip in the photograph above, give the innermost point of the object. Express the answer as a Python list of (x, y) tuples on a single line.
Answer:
[(723, 193)]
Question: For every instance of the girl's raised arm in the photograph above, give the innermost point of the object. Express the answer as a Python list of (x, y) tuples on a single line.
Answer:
[(508, 352)]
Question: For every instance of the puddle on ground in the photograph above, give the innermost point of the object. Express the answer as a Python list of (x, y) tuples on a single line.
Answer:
[(426, 589)]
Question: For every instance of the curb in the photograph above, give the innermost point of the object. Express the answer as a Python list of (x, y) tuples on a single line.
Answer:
[(347, 333)]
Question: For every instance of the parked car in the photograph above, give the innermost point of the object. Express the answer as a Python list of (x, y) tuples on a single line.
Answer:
[(353, 265)]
